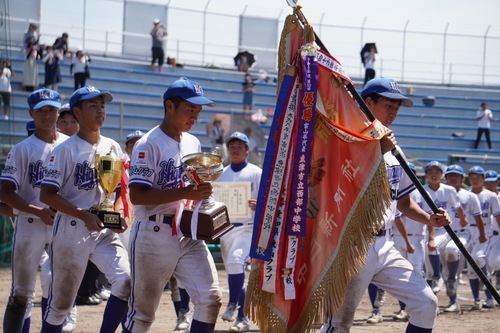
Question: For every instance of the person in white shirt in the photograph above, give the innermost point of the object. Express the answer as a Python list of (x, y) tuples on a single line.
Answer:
[(483, 117)]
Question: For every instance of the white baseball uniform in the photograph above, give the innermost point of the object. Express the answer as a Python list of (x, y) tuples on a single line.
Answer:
[(157, 254), (235, 245), (490, 209), (417, 234), (387, 269), (25, 166), (72, 171)]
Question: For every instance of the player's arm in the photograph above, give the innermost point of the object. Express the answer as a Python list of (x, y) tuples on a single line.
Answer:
[(461, 215), (49, 195), (141, 194), (9, 196), (411, 209), (398, 221), (6, 210), (481, 229), (118, 207)]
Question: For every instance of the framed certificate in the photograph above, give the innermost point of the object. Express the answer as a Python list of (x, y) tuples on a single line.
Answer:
[(235, 195)]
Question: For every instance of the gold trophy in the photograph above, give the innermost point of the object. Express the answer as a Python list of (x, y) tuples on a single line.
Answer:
[(213, 219), (109, 171)]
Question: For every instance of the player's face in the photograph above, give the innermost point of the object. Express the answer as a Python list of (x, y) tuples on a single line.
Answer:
[(385, 110), (492, 186), (238, 151), (67, 124), (184, 116), (45, 118), (433, 175), (92, 113), (454, 179), (476, 180)]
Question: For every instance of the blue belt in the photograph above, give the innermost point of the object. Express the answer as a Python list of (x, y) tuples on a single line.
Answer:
[(167, 219), (495, 233), (473, 225), (461, 230)]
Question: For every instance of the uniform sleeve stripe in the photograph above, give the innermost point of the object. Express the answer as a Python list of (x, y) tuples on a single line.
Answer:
[(140, 181), (51, 183), (406, 191), (10, 179)]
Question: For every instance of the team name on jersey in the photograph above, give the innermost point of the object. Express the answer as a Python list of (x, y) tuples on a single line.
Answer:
[(394, 175), (169, 176), (441, 204), (140, 171), (85, 177), (36, 171), (9, 169)]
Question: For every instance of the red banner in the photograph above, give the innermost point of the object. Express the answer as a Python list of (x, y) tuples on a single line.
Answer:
[(295, 279)]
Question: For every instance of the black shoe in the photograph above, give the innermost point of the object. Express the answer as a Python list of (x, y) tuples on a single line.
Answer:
[(87, 300)]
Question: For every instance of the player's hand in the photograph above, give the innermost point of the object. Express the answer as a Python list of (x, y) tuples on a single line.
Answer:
[(199, 192), (388, 142), (483, 239), (463, 222), (92, 222), (440, 219), (431, 245), (252, 203), (410, 248), (47, 216), (317, 172)]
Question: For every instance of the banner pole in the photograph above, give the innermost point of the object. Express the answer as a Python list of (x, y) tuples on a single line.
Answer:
[(404, 164)]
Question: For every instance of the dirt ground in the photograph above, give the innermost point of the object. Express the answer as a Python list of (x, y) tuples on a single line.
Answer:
[(89, 317)]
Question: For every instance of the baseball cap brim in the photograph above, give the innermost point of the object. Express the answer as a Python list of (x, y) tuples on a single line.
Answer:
[(405, 101), (104, 94), (454, 171), (491, 179), (200, 100), (45, 103)]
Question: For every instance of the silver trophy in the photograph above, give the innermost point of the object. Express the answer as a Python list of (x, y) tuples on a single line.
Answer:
[(213, 219)]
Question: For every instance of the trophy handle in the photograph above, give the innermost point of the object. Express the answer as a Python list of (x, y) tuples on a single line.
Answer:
[(216, 151)]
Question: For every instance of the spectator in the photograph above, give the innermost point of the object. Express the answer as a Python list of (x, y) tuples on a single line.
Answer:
[(157, 33), (30, 71), (80, 68), (61, 44), (33, 37), (6, 74), (52, 68), (483, 118), (248, 90), (217, 136), (369, 62)]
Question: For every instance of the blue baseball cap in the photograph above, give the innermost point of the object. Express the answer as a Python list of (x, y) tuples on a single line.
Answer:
[(86, 93), (386, 88), (476, 169), (188, 90), (411, 166), (43, 97), (490, 176), (454, 168), (133, 135), (30, 127), (434, 164), (238, 136)]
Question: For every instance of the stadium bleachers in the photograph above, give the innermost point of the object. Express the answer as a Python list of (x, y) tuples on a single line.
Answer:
[(445, 131)]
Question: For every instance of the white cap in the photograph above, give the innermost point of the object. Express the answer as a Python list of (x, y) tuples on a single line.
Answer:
[(156, 21)]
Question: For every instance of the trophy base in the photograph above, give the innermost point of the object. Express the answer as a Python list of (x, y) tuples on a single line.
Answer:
[(212, 222), (111, 220)]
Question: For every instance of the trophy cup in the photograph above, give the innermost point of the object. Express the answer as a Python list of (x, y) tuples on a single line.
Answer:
[(109, 170), (213, 219)]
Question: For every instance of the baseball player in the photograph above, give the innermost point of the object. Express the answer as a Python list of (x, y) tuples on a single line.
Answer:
[(67, 123), (445, 197), (491, 183), (410, 240), (235, 245), (19, 189), (384, 265), (490, 208), (70, 186), (158, 189)]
